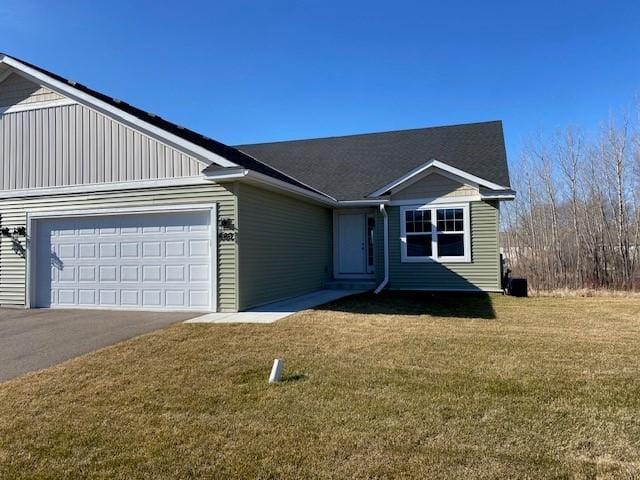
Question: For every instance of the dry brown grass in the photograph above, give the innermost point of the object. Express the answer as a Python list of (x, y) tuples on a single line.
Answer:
[(585, 292), (481, 388)]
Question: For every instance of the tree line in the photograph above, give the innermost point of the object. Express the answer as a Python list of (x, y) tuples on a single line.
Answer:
[(575, 222)]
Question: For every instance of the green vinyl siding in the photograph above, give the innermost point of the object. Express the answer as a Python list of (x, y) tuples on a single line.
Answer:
[(13, 213), (284, 246), (483, 272)]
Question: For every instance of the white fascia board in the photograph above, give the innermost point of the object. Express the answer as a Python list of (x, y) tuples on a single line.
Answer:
[(251, 176), (103, 187), (467, 176), (175, 141), (442, 166), (362, 203), (499, 196), (264, 180), (226, 175)]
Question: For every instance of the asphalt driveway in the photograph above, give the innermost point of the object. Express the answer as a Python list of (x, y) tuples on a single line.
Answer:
[(34, 339)]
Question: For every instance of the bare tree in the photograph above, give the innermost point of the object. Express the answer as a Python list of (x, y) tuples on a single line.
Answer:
[(576, 220)]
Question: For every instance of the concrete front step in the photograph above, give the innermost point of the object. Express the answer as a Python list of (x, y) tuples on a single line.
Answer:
[(350, 285)]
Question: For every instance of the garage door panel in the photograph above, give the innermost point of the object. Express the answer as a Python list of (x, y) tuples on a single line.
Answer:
[(108, 297), (156, 261), (129, 273), (151, 298), (108, 250), (86, 297)]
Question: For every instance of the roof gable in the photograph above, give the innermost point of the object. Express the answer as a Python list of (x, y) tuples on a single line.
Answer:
[(121, 111), (205, 149), (432, 185), (429, 167)]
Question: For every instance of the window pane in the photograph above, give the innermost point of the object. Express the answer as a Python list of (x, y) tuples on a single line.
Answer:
[(450, 220), (418, 221), (371, 225), (418, 245), (451, 245), (426, 221)]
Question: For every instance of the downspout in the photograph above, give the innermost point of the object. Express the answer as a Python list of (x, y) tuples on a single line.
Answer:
[(386, 250)]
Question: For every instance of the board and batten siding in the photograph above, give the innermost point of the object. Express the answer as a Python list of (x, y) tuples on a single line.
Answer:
[(482, 273), (17, 90), (13, 214), (74, 145), (284, 246)]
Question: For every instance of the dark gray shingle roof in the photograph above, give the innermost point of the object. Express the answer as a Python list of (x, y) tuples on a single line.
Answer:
[(351, 167)]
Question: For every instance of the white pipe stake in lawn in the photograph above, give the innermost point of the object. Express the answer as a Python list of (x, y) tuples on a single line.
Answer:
[(276, 371)]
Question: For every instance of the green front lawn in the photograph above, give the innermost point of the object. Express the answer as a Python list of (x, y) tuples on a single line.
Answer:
[(399, 386)]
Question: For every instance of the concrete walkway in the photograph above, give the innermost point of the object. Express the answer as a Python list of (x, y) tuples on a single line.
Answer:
[(275, 311)]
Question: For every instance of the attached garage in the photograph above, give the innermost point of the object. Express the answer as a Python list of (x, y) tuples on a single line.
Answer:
[(130, 260), (103, 205)]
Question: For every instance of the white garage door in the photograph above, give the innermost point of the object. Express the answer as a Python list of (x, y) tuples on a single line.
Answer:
[(150, 261)]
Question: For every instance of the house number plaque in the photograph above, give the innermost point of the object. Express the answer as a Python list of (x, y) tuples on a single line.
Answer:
[(226, 236)]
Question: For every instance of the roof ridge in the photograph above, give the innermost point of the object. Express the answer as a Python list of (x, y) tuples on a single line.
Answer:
[(403, 130)]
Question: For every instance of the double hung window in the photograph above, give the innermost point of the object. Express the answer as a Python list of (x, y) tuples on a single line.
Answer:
[(439, 233)]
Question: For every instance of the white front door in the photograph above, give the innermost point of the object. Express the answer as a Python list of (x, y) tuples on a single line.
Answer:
[(352, 244), (137, 261)]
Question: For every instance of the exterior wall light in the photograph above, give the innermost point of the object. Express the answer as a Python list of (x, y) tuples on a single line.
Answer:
[(226, 223)]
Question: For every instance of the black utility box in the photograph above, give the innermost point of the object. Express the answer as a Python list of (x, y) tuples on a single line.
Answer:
[(518, 287)]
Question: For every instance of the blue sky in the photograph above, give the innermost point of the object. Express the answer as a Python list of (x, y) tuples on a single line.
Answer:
[(242, 71)]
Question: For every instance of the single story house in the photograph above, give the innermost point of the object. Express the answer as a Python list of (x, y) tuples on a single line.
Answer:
[(104, 205)]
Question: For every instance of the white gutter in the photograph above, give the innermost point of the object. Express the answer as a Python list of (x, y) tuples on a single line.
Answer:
[(262, 178), (250, 175), (386, 250), (361, 203), (226, 174)]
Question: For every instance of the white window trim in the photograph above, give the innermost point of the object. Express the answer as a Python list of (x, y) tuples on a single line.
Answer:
[(434, 245)]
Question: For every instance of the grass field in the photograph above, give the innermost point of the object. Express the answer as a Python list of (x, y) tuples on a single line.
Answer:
[(397, 386)]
